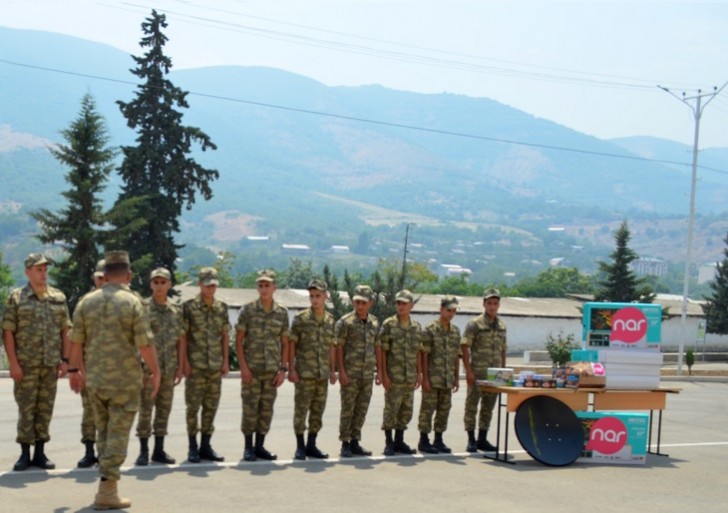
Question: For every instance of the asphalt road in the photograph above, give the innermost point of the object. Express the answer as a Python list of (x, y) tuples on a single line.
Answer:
[(691, 478)]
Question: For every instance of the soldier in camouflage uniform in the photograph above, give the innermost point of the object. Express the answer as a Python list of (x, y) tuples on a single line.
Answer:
[(165, 319), (261, 342), (399, 367), (206, 326), (483, 346), (110, 331), (440, 375), (35, 333), (354, 336), (312, 359)]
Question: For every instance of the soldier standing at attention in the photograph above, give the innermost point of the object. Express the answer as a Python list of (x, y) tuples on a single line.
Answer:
[(165, 319), (399, 368), (110, 331), (35, 334), (483, 346), (206, 326), (312, 360), (354, 336), (261, 343), (440, 375)]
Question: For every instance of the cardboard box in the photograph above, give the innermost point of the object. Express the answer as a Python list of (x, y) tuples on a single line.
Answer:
[(500, 376), (614, 437)]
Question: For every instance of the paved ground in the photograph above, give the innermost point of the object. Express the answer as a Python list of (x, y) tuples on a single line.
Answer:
[(692, 478)]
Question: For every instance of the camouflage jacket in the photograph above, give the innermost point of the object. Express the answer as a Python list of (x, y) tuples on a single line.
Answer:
[(400, 345), (111, 323), (487, 341), (37, 324), (313, 341), (263, 333), (205, 326), (357, 338), (443, 349), (166, 323)]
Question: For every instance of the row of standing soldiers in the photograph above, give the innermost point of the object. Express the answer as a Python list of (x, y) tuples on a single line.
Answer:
[(112, 327)]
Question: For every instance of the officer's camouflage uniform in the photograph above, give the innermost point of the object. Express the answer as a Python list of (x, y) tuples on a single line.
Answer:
[(166, 323), (487, 343), (400, 345), (262, 348), (204, 326), (110, 323), (36, 323), (314, 339), (443, 348), (357, 337)]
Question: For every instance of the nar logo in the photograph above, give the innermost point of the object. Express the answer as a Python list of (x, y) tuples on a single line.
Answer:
[(607, 436), (629, 325)]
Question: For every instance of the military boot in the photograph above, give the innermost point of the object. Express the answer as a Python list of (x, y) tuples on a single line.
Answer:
[(440, 445), (300, 447), (158, 455), (260, 451), (399, 444), (89, 459), (311, 449), (143, 458), (472, 444), (425, 446), (346, 451), (388, 443), (108, 496), (249, 452), (193, 454), (358, 450), (40, 460), (206, 450), (24, 460), (483, 443)]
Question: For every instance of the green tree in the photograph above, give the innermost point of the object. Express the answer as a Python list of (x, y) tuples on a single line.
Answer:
[(6, 281), (619, 283), (298, 275), (716, 305), (338, 307), (158, 168), (78, 225), (554, 282)]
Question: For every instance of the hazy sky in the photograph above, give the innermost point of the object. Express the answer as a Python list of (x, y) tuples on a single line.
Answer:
[(593, 66)]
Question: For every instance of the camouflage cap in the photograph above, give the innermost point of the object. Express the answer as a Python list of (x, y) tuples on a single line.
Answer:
[(161, 272), (36, 259), (266, 275), (404, 296), (318, 285), (116, 257), (207, 276), (449, 302), (363, 293), (491, 292), (100, 267)]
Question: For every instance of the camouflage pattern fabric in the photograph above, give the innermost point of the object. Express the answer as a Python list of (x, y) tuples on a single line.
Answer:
[(357, 337), (204, 327), (35, 396), (355, 399), (166, 323), (309, 401), (313, 340), (114, 411), (398, 407), (161, 404), (202, 390), (486, 341), (258, 399), (487, 402), (400, 345), (263, 333), (88, 425), (443, 349), (437, 401)]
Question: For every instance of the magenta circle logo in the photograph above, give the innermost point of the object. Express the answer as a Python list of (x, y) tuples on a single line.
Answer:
[(629, 325), (607, 436)]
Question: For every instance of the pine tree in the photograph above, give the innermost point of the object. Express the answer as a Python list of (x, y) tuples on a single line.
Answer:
[(6, 280), (620, 284), (158, 171), (716, 306), (77, 226)]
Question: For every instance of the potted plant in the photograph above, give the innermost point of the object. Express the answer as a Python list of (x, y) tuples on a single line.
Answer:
[(690, 360), (559, 348)]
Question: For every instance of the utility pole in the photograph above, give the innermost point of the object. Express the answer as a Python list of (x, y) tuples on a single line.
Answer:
[(404, 257), (697, 109)]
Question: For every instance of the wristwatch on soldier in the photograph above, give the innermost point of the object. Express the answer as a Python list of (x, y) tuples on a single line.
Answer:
[(282, 368)]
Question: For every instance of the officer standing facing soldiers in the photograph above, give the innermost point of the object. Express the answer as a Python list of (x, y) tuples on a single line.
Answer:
[(399, 368), (165, 319), (110, 331), (483, 345), (354, 336), (311, 363), (35, 334), (440, 375), (88, 426), (261, 343), (206, 327)]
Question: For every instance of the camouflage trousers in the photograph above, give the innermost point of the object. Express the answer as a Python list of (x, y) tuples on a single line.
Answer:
[(355, 398), (162, 406), (114, 412), (88, 426), (258, 399), (486, 400), (437, 401), (398, 406), (202, 390), (309, 400), (35, 396)]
